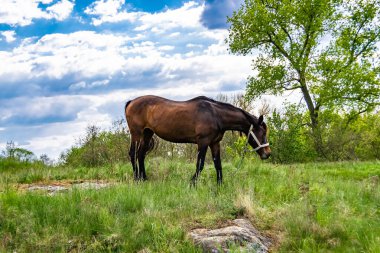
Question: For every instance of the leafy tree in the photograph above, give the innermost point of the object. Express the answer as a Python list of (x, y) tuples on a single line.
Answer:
[(326, 49), (18, 154), (23, 155)]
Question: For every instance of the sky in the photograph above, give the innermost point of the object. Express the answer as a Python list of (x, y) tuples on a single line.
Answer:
[(68, 64)]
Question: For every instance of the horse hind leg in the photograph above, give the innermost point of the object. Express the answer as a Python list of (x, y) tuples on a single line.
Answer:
[(143, 149), (135, 143)]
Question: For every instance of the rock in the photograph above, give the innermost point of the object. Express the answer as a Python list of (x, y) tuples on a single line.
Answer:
[(241, 236)]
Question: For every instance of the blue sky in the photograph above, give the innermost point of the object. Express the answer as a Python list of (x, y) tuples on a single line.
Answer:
[(68, 64)]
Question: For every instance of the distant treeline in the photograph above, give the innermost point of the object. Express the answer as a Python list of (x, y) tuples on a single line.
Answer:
[(14, 157), (341, 137)]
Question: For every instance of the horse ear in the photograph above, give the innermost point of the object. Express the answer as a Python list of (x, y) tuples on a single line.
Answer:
[(261, 120)]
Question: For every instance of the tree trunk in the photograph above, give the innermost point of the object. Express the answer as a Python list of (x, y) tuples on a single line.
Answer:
[(314, 113)]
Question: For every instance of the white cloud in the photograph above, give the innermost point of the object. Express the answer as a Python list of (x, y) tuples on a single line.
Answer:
[(105, 7), (42, 109), (191, 45), (100, 83), (55, 55), (61, 10), (113, 11), (78, 85), (109, 11), (183, 61), (84, 85), (166, 48), (21, 13), (188, 16), (96, 58), (9, 36)]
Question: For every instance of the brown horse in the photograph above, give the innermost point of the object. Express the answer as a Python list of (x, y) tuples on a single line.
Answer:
[(201, 120)]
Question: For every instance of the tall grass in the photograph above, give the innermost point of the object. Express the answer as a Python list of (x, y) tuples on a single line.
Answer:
[(303, 207)]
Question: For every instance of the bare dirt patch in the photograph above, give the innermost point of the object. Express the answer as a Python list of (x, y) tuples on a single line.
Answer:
[(54, 187)]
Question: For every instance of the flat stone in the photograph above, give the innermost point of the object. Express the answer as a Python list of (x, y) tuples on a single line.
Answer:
[(241, 236)]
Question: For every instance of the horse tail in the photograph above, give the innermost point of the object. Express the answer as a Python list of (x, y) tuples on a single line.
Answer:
[(153, 143), (126, 105)]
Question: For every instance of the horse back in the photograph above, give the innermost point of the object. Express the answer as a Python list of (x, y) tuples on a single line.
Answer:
[(172, 120)]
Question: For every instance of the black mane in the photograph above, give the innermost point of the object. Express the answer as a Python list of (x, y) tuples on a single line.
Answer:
[(228, 105)]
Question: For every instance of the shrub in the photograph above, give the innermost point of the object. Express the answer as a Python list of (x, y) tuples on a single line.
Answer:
[(289, 136)]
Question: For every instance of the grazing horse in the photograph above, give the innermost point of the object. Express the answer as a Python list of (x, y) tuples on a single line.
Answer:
[(201, 120)]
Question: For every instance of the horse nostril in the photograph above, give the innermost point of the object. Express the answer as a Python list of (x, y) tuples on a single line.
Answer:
[(268, 155)]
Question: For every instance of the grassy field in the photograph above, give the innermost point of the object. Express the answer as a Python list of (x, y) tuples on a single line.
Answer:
[(316, 207)]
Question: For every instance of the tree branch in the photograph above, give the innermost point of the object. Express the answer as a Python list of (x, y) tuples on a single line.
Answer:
[(281, 49), (287, 34), (288, 81)]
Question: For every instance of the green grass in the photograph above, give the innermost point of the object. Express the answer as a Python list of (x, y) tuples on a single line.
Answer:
[(316, 207)]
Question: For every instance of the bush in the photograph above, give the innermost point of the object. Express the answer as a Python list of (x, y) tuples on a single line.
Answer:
[(100, 148), (13, 158), (289, 136), (347, 138), (342, 136)]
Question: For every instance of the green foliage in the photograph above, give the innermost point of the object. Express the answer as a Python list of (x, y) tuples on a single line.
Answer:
[(290, 138), (99, 148), (14, 158), (346, 138), (237, 147), (343, 137)]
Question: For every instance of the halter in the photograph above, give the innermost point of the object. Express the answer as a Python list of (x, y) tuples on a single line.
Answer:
[(259, 145)]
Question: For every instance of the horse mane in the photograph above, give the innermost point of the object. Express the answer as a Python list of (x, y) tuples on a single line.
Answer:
[(227, 105), (216, 102)]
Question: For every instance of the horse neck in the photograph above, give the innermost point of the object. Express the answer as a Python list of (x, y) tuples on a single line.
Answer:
[(235, 120)]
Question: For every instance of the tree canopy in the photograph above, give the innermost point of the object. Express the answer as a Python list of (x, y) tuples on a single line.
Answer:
[(326, 49)]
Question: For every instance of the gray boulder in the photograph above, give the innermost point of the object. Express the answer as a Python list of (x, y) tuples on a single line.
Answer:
[(240, 236)]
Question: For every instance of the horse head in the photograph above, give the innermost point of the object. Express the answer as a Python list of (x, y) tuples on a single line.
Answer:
[(257, 138)]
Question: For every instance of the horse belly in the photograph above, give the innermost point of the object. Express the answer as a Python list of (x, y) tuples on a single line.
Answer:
[(176, 133)]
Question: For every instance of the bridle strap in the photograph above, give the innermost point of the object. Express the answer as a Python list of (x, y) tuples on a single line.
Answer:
[(259, 145)]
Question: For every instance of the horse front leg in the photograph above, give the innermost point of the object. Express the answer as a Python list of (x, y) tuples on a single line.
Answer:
[(202, 149), (215, 150)]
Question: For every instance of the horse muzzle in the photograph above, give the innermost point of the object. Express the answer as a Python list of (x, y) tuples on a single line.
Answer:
[(265, 156)]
